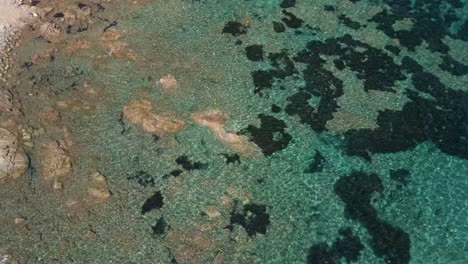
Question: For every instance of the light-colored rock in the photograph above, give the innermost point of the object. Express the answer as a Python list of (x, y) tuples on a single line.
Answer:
[(215, 121), (99, 189), (19, 220), (50, 116), (56, 163), (167, 83), (212, 212), (138, 113), (110, 35), (13, 160), (51, 32), (77, 45)]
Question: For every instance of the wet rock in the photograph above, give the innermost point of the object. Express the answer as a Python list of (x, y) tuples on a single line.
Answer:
[(74, 105), (110, 35), (212, 212), (138, 113), (77, 45), (44, 56), (117, 49), (56, 163), (7, 259), (99, 189), (20, 220), (167, 83), (191, 246), (50, 116), (51, 32), (215, 121), (13, 160)]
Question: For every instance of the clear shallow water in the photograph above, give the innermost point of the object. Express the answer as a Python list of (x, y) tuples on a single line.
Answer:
[(360, 109)]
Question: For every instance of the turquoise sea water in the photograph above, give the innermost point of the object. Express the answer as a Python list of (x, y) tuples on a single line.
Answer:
[(360, 109)]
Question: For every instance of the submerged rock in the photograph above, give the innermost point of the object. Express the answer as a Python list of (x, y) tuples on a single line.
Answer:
[(56, 163), (51, 32), (168, 83), (138, 113), (13, 160), (99, 189), (215, 121)]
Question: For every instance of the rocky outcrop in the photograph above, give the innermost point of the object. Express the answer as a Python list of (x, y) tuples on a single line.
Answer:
[(13, 160), (215, 121), (138, 113), (99, 189), (56, 163)]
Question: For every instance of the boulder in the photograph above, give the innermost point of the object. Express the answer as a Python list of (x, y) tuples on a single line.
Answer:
[(138, 113), (13, 159)]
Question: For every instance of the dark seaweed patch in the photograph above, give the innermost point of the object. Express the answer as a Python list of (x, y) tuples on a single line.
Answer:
[(317, 163), (155, 202), (252, 217), (388, 242), (189, 165), (176, 173), (235, 28), (291, 20), (288, 3), (143, 178), (315, 118), (348, 246), (401, 176), (254, 52), (278, 27), (377, 69), (271, 136), (339, 64), (429, 23), (232, 158), (441, 120), (282, 67), (454, 67), (349, 23), (356, 191), (160, 228), (329, 8), (275, 108), (262, 80), (393, 49), (282, 64)]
